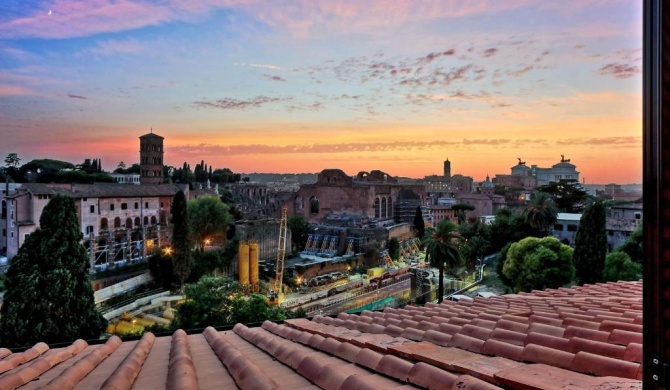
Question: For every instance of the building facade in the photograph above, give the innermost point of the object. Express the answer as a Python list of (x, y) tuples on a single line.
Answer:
[(369, 194), (117, 221)]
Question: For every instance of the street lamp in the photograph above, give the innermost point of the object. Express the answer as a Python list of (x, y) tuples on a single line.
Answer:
[(167, 251)]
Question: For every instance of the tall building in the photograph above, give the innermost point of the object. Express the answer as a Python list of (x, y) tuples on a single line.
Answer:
[(447, 169), (151, 159)]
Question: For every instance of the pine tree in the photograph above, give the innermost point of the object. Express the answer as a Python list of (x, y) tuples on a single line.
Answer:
[(49, 295), (591, 245), (181, 238)]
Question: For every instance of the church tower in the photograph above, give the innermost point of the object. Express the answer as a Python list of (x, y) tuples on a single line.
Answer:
[(151, 159), (447, 169)]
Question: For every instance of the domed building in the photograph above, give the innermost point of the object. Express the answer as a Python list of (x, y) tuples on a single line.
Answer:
[(563, 170)]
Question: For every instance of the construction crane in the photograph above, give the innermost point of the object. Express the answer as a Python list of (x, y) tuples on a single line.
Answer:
[(276, 293)]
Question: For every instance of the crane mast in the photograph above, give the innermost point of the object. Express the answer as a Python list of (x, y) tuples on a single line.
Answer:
[(276, 293)]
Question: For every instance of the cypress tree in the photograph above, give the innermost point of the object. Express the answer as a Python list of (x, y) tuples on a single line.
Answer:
[(419, 224), (181, 238), (49, 295), (591, 245)]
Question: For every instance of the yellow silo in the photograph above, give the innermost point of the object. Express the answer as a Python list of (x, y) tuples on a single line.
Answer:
[(243, 264), (253, 265)]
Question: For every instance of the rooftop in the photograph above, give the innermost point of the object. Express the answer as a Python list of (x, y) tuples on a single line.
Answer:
[(582, 337)]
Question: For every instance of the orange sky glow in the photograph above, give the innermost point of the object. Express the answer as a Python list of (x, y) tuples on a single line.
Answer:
[(300, 86)]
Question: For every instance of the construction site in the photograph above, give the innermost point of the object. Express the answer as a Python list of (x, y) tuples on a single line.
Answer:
[(341, 269)]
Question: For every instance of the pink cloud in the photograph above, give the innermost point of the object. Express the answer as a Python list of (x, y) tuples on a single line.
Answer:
[(68, 19), (15, 90)]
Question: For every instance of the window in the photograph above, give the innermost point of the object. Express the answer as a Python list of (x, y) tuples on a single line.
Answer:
[(111, 207), (89, 229), (572, 228), (4, 232), (11, 234), (146, 205), (117, 222), (162, 205), (558, 227), (137, 205), (103, 224), (124, 206), (92, 208)]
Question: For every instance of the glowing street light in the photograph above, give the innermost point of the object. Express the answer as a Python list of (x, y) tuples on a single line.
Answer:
[(207, 241), (167, 251)]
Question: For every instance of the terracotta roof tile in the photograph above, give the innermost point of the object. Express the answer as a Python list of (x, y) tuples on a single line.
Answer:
[(485, 368), (592, 334), (467, 382), (476, 332), (633, 353), (368, 358), (466, 342), (431, 377), (550, 330), (16, 359), (608, 326), (477, 344), (395, 367), (508, 336), (502, 349), (604, 366), (540, 354), (624, 337), (436, 337), (541, 376), (577, 344)]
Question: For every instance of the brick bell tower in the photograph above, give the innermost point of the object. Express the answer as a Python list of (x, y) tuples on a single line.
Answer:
[(151, 159)]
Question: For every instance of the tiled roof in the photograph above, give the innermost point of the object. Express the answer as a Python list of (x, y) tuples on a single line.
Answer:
[(104, 190), (581, 337)]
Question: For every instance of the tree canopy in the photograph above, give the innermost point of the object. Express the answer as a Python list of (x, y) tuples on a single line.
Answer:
[(461, 210), (538, 263), (619, 266), (394, 248), (299, 231), (209, 218), (541, 212), (568, 195), (221, 301), (591, 244), (49, 296)]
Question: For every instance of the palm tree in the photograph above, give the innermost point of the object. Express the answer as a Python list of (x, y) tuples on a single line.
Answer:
[(442, 246), (541, 212), (478, 246)]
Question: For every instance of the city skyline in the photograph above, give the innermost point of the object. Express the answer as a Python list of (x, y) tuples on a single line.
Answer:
[(300, 86)]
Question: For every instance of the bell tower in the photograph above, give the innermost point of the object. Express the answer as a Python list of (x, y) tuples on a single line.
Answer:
[(447, 169), (151, 159)]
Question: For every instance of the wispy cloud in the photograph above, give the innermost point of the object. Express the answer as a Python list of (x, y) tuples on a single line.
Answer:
[(76, 96), (234, 104), (265, 66), (601, 141), (273, 77), (116, 46), (620, 70)]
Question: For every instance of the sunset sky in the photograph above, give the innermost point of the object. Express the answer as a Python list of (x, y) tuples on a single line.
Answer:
[(299, 86)]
